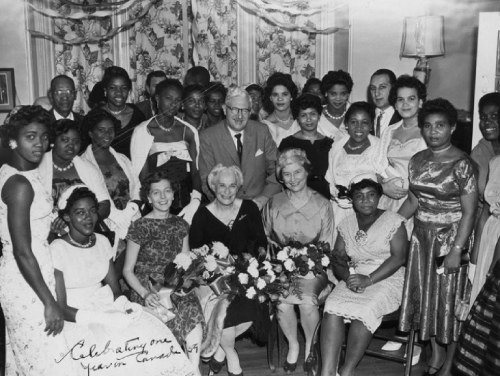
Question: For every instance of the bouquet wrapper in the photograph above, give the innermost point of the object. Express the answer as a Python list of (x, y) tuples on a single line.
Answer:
[(166, 311), (222, 264), (221, 285)]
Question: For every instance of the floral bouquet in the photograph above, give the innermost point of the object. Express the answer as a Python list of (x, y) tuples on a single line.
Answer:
[(300, 260)]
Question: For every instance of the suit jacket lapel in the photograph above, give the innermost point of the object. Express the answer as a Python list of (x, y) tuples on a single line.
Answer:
[(228, 143), (249, 143)]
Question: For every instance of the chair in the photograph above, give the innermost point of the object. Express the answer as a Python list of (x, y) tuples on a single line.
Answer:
[(392, 318)]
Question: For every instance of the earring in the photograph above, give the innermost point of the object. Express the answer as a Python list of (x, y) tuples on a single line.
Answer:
[(13, 144)]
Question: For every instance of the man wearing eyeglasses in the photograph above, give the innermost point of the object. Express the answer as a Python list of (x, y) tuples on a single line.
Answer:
[(242, 142), (62, 95)]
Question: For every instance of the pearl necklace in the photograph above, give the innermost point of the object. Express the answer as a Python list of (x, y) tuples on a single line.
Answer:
[(356, 147), (410, 127), (335, 117), (73, 241), (441, 151), (115, 113), (62, 169), (284, 121), (162, 127)]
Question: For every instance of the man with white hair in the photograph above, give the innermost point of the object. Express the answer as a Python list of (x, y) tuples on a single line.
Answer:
[(242, 142)]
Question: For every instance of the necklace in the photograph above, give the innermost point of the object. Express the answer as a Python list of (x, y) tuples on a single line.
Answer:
[(62, 169), (441, 151), (73, 241), (115, 113), (356, 147), (335, 117), (410, 127), (285, 120), (162, 127)]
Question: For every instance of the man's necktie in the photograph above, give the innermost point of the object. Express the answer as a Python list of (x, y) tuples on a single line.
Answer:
[(239, 145), (377, 127)]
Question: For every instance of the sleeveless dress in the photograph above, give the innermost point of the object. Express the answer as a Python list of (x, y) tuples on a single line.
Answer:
[(491, 229), (174, 158), (429, 298), (145, 347), (29, 351), (381, 298)]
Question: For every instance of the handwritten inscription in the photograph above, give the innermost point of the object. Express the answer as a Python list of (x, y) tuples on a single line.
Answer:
[(94, 357)]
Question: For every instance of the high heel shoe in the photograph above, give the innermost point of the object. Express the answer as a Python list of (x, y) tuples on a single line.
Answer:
[(235, 374), (215, 365), (289, 367), (431, 368)]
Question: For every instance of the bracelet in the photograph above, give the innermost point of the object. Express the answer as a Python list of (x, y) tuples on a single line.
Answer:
[(196, 198), (370, 278)]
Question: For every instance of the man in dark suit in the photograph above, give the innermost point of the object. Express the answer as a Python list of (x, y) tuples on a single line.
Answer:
[(62, 95), (242, 142), (380, 86)]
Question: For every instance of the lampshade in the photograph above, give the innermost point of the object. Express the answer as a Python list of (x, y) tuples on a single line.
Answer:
[(423, 36)]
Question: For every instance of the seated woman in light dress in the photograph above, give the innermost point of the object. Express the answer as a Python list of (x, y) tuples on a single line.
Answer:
[(279, 93), (299, 214), (123, 338), (376, 242), (353, 155), (167, 143)]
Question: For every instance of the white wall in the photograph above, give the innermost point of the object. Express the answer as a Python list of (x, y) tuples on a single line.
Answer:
[(13, 47)]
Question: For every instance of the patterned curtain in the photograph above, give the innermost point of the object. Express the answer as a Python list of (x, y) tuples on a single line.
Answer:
[(214, 34), (84, 63), (156, 43)]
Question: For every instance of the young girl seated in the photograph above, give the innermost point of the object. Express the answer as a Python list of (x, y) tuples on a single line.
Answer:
[(106, 334)]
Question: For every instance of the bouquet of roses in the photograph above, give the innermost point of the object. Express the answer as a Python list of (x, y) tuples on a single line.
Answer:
[(299, 260)]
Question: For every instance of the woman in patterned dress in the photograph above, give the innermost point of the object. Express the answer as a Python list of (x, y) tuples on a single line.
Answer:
[(153, 242), (443, 199), (376, 242)]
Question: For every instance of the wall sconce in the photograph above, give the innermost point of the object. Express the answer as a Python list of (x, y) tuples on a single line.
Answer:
[(423, 38)]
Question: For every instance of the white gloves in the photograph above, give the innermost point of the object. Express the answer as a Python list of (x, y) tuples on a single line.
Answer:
[(188, 212), (122, 218)]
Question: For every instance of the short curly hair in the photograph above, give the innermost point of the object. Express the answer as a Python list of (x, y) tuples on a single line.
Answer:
[(169, 82), (78, 194), (155, 177), (93, 118), (216, 87), (360, 106), (407, 81), (365, 183), (190, 89), (305, 101), (214, 175), (489, 99), (289, 156), (274, 80), (311, 81), (438, 106), (115, 72), (63, 126), (333, 78), (20, 117)]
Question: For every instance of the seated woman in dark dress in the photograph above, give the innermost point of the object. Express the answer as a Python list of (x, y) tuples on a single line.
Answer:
[(306, 109), (238, 225), (117, 85)]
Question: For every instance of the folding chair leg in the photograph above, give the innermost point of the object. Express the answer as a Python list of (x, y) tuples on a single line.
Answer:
[(409, 352)]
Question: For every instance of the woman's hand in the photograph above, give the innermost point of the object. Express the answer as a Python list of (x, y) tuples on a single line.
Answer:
[(358, 282), (152, 300), (58, 226), (54, 319), (392, 188), (452, 262)]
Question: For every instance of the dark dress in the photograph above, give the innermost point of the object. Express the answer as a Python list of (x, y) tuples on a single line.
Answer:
[(317, 152), (117, 184), (245, 235), (160, 241), (429, 298), (121, 143), (478, 349)]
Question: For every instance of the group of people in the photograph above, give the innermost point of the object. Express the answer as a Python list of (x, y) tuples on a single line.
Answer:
[(95, 208)]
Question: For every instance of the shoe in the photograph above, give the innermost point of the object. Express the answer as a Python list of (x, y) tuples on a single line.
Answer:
[(235, 374), (215, 365), (431, 368), (392, 346), (289, 367)]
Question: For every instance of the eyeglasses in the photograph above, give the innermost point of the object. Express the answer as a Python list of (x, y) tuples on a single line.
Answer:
[(236, 111), (64, 92)]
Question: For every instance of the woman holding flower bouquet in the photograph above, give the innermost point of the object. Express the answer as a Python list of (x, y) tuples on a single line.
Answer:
[(153, 243), (302, 215), (238, 225), (376, 242)]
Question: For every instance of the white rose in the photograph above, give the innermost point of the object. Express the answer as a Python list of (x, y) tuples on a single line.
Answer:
[(311, 264), (182, 261), (206, 275), (254, 272), (251, 293), (289, 265), (229, 270), (220, 250), (267, 265), (253, 263), (210, 263), (261, 283), (243, 278), (325, 261), (273, 277), (282, 255), (303, 251)]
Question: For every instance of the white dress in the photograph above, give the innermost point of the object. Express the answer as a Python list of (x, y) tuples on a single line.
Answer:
[(381, 298), (29, 351), (145, 347), (278, 133), (491, 229)]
